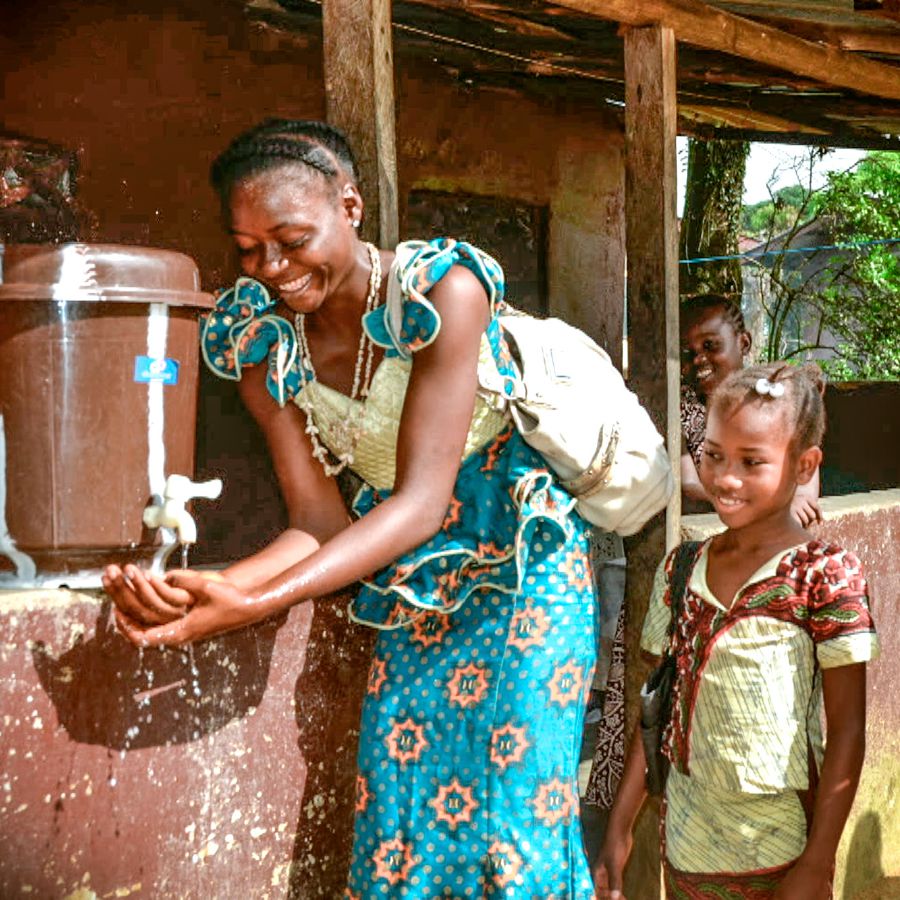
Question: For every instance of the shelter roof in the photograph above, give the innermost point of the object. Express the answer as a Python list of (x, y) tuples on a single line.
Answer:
[(802, 71)]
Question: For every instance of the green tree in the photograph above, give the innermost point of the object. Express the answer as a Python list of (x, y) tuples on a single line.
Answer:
[(778, 213), (860, 303), (846, 300), (783, 290)]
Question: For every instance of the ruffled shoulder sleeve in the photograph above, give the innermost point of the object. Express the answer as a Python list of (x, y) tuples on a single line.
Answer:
[(407, 321), (840, 620), (241, 331)]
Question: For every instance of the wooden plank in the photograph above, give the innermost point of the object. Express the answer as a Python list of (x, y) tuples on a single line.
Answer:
[(359, 97), (884, 41), (499, 15), (702, 25), (653, 364)]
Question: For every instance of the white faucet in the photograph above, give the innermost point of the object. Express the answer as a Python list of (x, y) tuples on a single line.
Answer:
[(172, 513)]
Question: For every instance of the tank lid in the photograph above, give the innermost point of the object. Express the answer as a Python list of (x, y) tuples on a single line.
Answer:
[(100, 272)]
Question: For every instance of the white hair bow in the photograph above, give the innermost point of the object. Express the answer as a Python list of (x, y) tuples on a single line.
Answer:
[(770, 388)]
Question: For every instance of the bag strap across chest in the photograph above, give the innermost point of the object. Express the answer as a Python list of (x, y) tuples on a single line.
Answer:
[(682, 565)]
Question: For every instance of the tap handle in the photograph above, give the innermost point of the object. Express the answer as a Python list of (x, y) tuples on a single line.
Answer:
[(180, 487)]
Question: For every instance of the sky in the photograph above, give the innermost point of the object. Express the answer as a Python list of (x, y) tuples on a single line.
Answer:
[(784, 161)]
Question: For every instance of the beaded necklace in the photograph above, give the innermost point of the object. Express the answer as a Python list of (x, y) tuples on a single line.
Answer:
[(347, 433)]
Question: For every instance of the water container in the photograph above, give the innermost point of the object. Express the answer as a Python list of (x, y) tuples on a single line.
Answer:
[(98, 391)]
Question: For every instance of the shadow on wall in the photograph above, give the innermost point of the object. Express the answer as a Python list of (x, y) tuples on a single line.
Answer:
[(327, 700), (865, 878), (102, 687), (294, 698)]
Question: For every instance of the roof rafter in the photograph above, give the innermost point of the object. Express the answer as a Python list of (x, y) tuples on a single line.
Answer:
[(705, 26)]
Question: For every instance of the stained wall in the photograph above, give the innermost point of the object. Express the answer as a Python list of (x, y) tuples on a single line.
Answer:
[(221, 772)]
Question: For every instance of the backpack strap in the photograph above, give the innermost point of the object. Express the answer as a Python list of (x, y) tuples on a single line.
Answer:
[(682, 564)]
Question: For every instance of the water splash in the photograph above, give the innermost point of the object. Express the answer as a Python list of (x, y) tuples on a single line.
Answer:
[(195, 672)]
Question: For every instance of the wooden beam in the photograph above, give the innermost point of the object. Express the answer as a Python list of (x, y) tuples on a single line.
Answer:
[(856, 139), (884, 40), (651, 228), (702, 25), (359, 98), (653, 363), (726, 116), (495, 14)]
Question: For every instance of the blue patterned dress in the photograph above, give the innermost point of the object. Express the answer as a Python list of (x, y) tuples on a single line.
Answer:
[(472, 722)]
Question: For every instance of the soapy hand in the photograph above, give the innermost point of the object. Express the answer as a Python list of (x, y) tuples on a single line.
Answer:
[(208, 604)]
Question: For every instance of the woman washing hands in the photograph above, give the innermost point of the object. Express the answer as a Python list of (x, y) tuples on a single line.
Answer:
[(472, 720), (714, 343)]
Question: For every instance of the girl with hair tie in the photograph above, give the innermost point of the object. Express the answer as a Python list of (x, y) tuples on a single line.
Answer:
[(772, 626)]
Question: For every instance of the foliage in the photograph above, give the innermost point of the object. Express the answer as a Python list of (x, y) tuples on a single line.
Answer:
[(779, 212), (845, 300), (862, 301)]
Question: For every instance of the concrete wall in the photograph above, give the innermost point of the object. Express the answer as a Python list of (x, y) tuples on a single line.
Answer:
[(224, 774)]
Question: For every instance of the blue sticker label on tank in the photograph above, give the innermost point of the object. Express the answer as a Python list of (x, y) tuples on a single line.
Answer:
[(146, 368)]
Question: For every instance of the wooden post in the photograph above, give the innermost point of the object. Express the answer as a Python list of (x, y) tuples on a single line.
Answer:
[(653, 361), (359, 98)]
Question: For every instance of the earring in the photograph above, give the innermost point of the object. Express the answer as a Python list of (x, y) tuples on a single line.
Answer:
[(356, 223)]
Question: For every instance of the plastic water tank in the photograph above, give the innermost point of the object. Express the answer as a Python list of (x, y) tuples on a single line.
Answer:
[(98, 395)]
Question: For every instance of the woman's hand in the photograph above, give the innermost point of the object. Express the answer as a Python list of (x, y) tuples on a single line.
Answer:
[(215, 606), (805, 881), (145, 599)]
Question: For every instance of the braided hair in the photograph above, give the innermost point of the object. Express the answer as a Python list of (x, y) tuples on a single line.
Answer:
[(802, 397), (731, 310), (274, 142)]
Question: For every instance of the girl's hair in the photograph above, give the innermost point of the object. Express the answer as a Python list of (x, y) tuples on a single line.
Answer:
[(274, 142), (799, 390), (731, 310)]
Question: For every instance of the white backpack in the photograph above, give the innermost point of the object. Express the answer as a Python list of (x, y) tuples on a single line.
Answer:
[(572, 406), (569, 403)]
